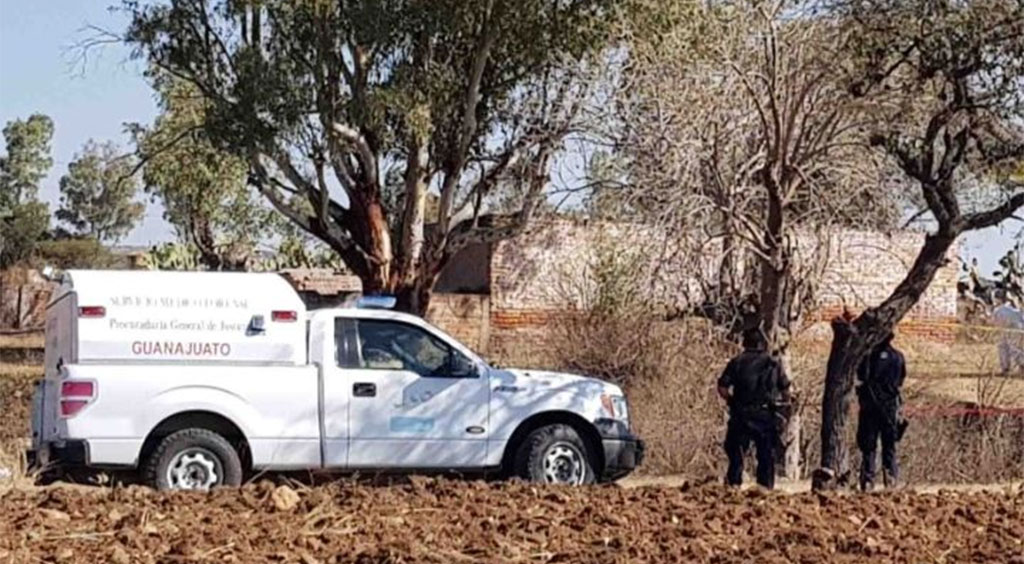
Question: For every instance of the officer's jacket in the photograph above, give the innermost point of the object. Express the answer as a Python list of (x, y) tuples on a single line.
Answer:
[(881, 375), (756, 380)]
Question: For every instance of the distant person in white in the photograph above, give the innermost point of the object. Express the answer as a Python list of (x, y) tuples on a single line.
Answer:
[(1011, 345)]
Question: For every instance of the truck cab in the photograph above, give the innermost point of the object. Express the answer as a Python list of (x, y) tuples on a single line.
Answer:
[(199, 396)]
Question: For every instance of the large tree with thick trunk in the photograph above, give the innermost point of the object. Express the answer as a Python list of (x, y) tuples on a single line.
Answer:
[(349, 114), (954, 75)]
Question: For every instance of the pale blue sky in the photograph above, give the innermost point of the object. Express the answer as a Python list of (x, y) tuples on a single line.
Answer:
[(38, 73)]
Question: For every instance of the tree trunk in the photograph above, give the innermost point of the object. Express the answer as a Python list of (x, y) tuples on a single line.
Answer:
[(791, 432), (774, 312), (846, 353), (415, 298), (851, 341), (379, 259)]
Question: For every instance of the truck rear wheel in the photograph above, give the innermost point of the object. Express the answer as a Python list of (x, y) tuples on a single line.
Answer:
[(554, 454), (193, 459)]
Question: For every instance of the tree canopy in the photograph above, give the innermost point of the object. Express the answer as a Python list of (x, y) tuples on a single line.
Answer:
[(348, 114), (97, 195), (24, 220)]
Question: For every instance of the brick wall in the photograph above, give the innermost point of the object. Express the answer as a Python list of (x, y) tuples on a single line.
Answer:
[(548, 271), (865, 267), (463, 316), (24, 295)]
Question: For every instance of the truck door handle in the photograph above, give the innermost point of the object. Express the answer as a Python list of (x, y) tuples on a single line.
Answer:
[(364, 389)]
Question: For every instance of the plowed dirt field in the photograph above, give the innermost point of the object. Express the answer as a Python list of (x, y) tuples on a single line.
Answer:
[(440, 521)]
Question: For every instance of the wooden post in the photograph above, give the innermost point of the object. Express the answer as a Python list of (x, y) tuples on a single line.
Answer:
[(18, 307)]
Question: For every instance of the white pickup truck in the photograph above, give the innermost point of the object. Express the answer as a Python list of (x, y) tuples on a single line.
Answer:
[(198, 379)]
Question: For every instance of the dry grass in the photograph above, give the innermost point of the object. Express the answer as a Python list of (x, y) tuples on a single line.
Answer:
[(669, 371), (23, 340), (15, 404), (20, 371), (13, 470), (16, 383), (991, 390), (675, 409)]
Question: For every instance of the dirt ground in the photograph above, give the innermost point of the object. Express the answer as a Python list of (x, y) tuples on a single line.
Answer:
[(440, 521)]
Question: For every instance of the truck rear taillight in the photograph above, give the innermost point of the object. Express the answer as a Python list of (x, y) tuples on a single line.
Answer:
[(285, 316), (92, 311), (75, 395)]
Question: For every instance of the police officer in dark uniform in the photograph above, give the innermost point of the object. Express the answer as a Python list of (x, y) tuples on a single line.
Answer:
[(880, 377), (753, 384)]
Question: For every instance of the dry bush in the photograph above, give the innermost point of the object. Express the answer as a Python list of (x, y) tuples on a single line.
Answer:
[(963, 449), (15, 404), (668, 368), (13, 466), (611, 330), (674, 405), (670, 384), (22, 340)]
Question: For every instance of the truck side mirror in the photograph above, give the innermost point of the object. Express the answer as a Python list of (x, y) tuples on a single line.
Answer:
[(463, 367)]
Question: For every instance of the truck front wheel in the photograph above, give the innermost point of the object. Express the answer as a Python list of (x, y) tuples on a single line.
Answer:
[(554, 454), (193, 459)]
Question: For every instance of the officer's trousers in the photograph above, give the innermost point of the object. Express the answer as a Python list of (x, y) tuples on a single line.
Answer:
[(746, 427), (874, 424)]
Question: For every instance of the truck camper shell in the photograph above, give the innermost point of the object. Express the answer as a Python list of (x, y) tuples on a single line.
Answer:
[(186, 317)]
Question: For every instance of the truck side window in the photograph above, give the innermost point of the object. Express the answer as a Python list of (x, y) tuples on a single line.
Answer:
[(389, 345)]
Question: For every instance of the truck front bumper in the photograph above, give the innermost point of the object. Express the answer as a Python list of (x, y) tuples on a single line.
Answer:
[(623, 451)]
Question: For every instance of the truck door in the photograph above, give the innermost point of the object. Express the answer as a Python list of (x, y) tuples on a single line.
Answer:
[(416, 402)]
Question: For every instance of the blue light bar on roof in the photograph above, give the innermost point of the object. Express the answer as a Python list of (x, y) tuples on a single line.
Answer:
[(376, 302)]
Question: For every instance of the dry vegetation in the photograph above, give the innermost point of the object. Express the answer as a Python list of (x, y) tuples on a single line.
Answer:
[(671, 385), (20, 340)]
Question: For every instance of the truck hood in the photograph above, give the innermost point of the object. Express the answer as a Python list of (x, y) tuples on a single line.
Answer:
[(541, 380)]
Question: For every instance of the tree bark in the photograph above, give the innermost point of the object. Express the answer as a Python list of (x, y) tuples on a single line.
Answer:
[(791, 433), (851, 341), (843, 359), (379, 258), (414, 298)]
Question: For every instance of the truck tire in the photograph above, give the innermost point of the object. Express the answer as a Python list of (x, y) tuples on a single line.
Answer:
[(554, 454), (193, 459)]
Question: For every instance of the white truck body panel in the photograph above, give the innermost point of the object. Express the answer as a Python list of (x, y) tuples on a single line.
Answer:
[(187, 317), (300, 390), (275, 408), (519, 394)]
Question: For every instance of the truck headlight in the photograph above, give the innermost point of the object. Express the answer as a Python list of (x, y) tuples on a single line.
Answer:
[(615, 406)]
